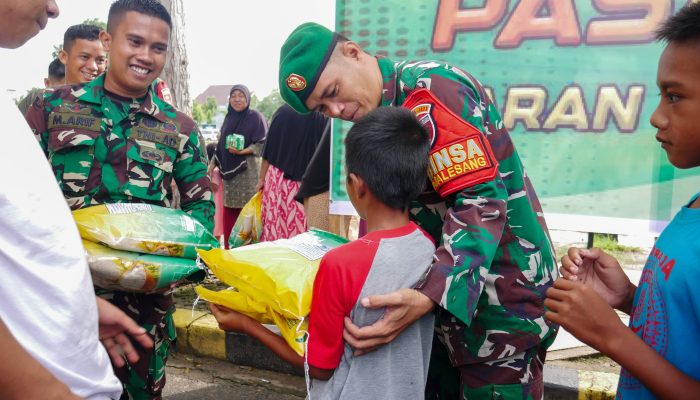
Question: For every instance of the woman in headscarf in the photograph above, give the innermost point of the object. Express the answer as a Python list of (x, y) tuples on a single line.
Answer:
[(239, 168), (291, 142)]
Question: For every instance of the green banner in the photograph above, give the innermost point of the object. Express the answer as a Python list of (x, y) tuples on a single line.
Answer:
[(575, 84)]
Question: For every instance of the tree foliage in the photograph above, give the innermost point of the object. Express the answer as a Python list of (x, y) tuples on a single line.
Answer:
[(204, 113), (268, 105), (97, 22)]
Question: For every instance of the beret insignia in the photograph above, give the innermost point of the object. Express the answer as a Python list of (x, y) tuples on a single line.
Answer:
[(296, 83)]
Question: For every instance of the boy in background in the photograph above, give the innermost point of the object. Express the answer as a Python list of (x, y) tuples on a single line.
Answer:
[(83, 54), (386, 157), (57, 76), (82, 58), (659, 351)]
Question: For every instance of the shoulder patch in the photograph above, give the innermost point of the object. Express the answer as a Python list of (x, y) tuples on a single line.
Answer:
[(155, 155), (423, 113), (460, 154)]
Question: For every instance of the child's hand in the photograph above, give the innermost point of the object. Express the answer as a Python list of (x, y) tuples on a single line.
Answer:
[(601, 272), (582, 312), (230, 320)]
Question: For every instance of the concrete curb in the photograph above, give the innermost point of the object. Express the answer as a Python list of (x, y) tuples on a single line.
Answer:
[(567, 384), (199, 334)]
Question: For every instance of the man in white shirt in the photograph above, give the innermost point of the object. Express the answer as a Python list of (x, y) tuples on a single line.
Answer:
[(51, 323)]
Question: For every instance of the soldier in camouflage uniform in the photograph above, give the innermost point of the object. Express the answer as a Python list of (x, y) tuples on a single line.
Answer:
[(113, 140), (494, 260)]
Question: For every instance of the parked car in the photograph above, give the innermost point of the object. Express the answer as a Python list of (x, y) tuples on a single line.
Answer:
[(210, 133)]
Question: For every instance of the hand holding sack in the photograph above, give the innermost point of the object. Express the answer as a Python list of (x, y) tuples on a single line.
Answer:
[(248, 226), (273, 281), (116, 236)]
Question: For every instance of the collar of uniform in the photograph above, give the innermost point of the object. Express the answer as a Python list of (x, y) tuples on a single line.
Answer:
[(156, 107), (388, 71), (94, 92)]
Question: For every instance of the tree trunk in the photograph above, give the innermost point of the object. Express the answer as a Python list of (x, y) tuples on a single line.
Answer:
[(175, 72)]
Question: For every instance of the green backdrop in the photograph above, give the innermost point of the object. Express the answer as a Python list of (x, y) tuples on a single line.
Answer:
[(595, 167)]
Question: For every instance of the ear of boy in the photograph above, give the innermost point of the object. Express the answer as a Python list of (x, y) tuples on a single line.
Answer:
[(106, 39), (358, 185), (63, 56)]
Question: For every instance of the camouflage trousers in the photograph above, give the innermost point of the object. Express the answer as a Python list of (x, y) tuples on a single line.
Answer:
[(145, 379), (495, 380)]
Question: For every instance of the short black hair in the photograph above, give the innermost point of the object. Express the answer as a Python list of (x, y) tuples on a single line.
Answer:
[(388, 149), (684, 26), (57, 71), (148, 7), (211, 149), (81, 31)]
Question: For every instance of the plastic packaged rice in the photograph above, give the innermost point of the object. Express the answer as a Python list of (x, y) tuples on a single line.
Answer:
[(273, 281), (141, 273), (248, 226), (144, 228)]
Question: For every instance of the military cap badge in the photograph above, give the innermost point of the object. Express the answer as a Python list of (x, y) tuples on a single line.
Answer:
[(296, 82)]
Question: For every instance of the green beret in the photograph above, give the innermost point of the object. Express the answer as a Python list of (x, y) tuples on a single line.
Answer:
[(303, 57)]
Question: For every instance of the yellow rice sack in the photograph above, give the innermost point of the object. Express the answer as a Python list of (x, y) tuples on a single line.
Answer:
[(138, 273), (248, 226), (144, 228), (276, 277)]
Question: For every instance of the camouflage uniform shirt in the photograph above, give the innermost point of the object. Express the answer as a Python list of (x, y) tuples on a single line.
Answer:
[(494, 260), (107, 149), (104, 150)]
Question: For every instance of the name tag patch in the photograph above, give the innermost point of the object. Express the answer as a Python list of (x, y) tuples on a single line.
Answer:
[(167, 139), (66, 120)]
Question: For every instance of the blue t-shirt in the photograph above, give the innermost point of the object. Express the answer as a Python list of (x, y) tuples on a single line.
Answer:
[(666, 311)]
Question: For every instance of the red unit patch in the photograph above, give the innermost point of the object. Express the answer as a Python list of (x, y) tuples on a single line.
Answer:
[(460, 154)]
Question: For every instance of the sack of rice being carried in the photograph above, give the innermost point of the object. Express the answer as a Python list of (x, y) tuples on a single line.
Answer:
[(144, 228), (248, 226), (272, 281), (139, 273)]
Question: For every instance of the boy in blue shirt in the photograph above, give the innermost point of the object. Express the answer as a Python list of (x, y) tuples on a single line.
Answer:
[(660, 351)]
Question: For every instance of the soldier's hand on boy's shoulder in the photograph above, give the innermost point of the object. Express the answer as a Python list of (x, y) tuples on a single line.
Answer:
[(583, 313), (601, 272), (230, 320), (403, 307), (116, 330)]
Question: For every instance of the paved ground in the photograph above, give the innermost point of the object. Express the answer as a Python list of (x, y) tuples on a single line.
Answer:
[(191, 378), (199, 378)]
